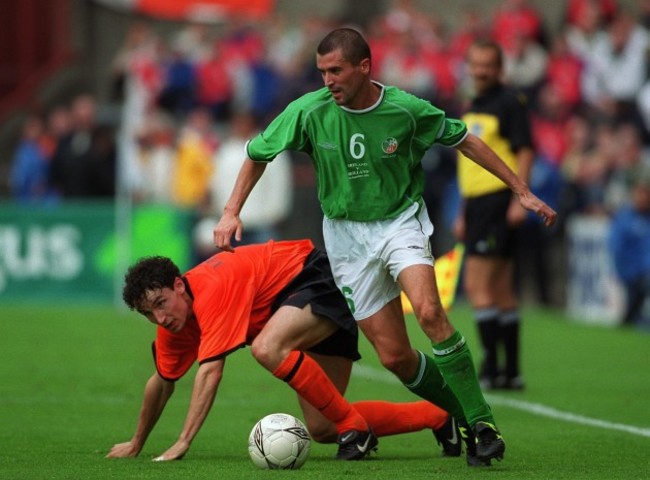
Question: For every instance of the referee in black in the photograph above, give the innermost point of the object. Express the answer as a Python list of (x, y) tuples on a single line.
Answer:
[(490, 214)]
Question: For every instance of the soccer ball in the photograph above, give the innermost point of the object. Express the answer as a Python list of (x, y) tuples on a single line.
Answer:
[(279, 441)]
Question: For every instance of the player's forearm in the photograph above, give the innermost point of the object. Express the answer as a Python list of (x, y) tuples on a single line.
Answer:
[(475, 149), (156, 393), (204, 392), (525, 159), (247, 178)]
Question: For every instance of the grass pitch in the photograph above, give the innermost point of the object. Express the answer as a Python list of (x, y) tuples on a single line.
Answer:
[(71, 382)]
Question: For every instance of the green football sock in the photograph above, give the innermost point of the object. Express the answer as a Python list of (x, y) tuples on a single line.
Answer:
[(429, 385), (454, 360)]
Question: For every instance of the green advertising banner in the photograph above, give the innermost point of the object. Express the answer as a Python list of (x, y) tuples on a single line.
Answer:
[(73, 252)]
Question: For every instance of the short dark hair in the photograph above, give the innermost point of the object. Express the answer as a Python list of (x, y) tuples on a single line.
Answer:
[(148, 273), (487, 44), (353, 45)]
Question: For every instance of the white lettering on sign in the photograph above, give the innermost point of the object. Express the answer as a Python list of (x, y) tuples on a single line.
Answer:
[(38, 253)]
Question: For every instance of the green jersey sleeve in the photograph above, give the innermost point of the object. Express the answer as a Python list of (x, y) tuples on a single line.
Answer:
[(432, 124), (285, 132), (452, 132)]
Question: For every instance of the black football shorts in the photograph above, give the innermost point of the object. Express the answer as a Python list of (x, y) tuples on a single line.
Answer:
[(487, 232), (315, 286)]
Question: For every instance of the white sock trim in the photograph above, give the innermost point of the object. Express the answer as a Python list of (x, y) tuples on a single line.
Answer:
[(451, 349), (420, 375)]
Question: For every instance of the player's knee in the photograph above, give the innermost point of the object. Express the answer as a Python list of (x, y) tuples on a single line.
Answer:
[(263, 352), (430, 315), (399, 364), (434, 322)]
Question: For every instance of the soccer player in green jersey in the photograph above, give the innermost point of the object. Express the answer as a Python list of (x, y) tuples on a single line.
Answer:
[(366, 141)]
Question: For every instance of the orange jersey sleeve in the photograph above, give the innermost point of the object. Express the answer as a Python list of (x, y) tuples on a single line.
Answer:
[(233, 295)]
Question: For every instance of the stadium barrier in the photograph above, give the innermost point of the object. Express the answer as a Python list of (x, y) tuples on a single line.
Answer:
[(594, 293), (78, 251)]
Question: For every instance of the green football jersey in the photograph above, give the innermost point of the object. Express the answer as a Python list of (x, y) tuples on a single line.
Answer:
[(368, 162)]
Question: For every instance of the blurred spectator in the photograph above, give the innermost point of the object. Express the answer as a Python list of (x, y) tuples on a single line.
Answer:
[(525, 65), (193, 165), (138, 77), (585, 30), (380, 40), (300, 74), (400, 16), (84, 161), (517, 18), (644, 13), (58, 125), (404, 66), (630, 246), (471, 27), (643, 106), (215, 84), (578, 143), (587, 169), (411, 53), (575, 9), (627, 157), (193, 42), (617, 68), (136, 71), (266, 84), (549, 125), (178, 94), (536, 245), (243, 45), (156, 159), (285, 43), (28, 177), (269, 203), (445, 69), (564, 73)]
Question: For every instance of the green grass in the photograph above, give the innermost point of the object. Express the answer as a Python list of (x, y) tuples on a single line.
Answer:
[(71, 381)]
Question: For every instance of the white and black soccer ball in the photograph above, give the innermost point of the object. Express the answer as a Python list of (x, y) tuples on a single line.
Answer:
[(279, 441)]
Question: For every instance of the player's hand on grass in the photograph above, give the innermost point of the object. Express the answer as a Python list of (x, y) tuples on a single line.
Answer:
[(176, 452), (124, 450), (229, 225), (530, 202)]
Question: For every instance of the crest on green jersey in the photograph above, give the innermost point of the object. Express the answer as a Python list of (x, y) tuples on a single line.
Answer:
[(389, 145)]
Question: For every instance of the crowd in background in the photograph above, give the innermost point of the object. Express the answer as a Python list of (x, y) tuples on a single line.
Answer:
[(189, 102)]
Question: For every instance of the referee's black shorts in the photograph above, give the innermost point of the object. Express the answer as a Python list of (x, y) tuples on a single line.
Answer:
[(487, 232), (315, 286)]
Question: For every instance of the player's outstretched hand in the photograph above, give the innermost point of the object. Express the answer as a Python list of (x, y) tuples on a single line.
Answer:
[(124, 450), (176, 452), (228, 225), (530, 202)]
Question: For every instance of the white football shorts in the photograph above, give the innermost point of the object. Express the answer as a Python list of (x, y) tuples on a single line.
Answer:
[(367, 257)]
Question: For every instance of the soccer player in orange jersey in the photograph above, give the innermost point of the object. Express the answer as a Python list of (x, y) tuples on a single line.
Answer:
[(280, 299)]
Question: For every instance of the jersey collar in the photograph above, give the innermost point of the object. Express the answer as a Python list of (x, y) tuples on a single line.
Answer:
[(371, 107)]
